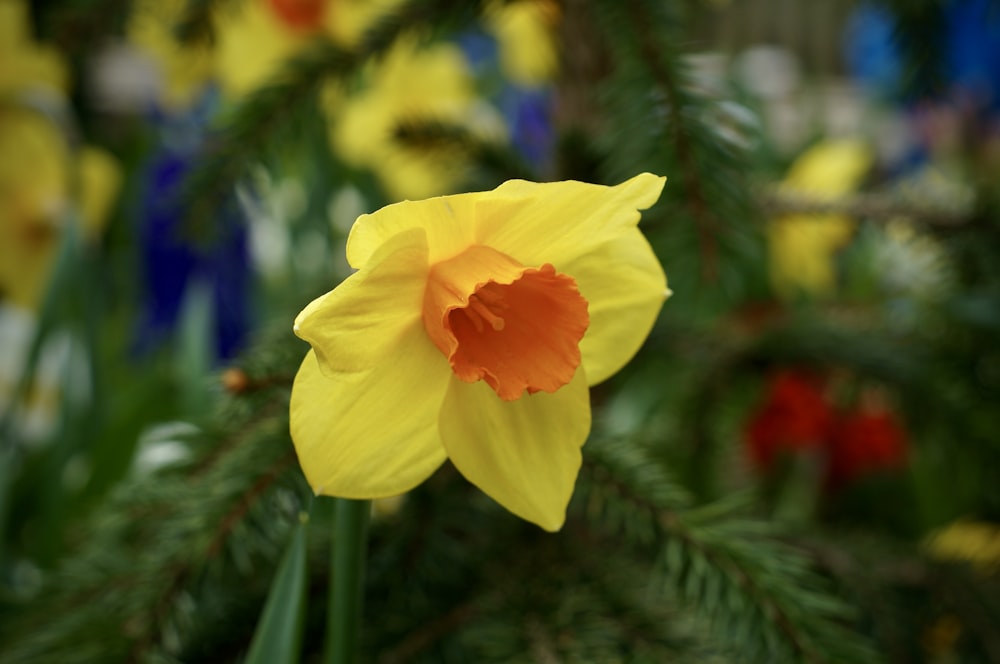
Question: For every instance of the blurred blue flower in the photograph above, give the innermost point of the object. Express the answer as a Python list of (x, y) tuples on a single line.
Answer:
[(871, 53), (527, 112), (973, 34), (970, 34), (480, 49), (175, 261)]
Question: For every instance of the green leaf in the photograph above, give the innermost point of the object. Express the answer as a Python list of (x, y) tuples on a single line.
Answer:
[(278, 637), (195, 352)]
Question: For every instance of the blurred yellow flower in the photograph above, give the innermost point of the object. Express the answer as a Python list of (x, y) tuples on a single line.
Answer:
[(100, 180), (471, 331), (25, 64), (185, 68), (431, 84), (260, 35), (802, 246), (973, 541), (526, 34), (346, 21), (253, 40), (36, 171)]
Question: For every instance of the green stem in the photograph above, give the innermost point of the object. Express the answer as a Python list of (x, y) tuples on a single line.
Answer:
[(343, 622)]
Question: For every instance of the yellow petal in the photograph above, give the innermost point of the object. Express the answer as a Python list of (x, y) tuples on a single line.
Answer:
[(34, 192), (555, 222), (365, 123), (353, 327), (413, 173), (535, 223), (347, 20), (447, 221), (975, 541), (185, 69), (625, 287), (802, 246), (24, 63), (801, 252), (412, 83), (375, 434), (525, 32), (830, 168), (252, 46), (100, 181), (524, 454)]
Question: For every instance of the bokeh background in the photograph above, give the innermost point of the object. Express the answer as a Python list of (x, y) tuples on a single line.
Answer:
[(801, 464)]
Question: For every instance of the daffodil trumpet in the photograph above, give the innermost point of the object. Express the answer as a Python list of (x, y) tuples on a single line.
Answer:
[(471, 331)]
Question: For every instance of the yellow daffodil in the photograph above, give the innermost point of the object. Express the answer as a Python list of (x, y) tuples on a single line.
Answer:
[(410, 84), (33, 182), (253, 40), (975, 541), (36, 170), (260, 35), (25, 64), (345, 21), (471, 331), (802, 246), (526, 35), (185, 69)]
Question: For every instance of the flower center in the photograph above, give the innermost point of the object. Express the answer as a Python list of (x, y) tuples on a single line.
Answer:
[(517, 328), (301, 15)]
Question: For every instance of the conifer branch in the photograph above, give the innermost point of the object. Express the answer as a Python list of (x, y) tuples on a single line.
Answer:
[(651, 50), (148, 543), (428, 633), (731, 569), (872, 206), (79, 27), (919, 34), (658, 118), (196, 26), (496, 158), (260, 122)]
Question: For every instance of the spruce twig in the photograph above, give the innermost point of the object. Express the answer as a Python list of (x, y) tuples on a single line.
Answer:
[(659, 118), (196, 25), (148, 545), (498, 159), (668, 85), (872, 206), (756, 593)]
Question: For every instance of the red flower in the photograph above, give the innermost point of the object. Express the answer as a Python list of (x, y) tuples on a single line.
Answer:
[(304, 15), (865, 442), (795, 416)]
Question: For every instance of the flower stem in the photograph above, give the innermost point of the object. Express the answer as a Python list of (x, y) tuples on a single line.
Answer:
[(350, 542)]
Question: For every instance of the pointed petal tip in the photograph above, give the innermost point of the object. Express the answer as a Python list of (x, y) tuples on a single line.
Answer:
[(300, 326), (652, 180), (552, 525), (524, 454), (548, 520), (645, 189)]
